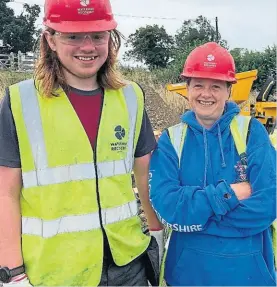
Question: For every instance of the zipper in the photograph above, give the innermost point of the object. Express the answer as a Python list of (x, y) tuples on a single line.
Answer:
[(105, 238), (97, 187), (95, 166), (94, 149)]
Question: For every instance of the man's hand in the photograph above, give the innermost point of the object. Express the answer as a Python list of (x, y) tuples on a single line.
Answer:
[(242, 190)]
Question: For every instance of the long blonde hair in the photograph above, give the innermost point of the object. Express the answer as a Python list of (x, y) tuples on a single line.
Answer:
[(49, 74)]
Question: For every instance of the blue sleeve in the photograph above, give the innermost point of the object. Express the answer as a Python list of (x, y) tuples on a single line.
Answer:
[(256, 213), (184, 208)]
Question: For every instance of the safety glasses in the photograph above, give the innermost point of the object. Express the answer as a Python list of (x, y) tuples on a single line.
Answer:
[(78, 39)]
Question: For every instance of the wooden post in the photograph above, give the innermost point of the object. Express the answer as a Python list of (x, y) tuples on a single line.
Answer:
[(216, 30), (19, 61), (12, 61)]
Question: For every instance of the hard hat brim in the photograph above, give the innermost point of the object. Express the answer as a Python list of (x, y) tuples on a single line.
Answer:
[(209, 75), (82, 26)]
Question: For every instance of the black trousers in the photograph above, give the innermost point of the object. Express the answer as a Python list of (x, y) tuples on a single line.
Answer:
[(139, 272), (132, 274)]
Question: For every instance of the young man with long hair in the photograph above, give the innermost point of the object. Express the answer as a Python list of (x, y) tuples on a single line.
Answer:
[(69, 140)]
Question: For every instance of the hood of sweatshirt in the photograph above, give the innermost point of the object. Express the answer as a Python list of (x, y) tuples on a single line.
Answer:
[(230, 110)]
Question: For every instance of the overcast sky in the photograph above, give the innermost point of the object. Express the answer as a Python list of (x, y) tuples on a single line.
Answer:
[(243, 23)]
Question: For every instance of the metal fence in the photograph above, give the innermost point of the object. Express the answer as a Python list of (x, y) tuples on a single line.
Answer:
[(19, 62)]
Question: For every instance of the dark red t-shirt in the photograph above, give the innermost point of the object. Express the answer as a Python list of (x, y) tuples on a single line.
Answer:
[(87, 105)]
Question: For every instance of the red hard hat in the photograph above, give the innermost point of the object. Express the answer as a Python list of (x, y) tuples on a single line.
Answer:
[(210, 61), (79, 15)]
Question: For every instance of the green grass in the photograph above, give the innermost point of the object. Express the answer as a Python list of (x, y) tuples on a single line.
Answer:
[(8, 78)]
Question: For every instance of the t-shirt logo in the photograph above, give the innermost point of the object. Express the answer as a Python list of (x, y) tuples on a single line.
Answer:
[(119, 132)]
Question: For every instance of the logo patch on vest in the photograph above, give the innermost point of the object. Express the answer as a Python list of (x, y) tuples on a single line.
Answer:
[(119, 133)]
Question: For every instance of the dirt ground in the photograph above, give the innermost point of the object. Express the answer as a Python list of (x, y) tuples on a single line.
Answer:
[(160, 114)]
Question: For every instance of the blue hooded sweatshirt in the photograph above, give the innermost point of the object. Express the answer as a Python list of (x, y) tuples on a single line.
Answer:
[(217, 240)]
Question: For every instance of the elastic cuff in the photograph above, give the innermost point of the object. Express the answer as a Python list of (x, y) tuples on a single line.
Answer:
[(228, 196), (19, 278), (155, 229), (221, 198)]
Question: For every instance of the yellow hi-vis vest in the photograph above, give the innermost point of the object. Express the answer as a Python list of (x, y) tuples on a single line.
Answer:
[(71, 192), (239, 129)]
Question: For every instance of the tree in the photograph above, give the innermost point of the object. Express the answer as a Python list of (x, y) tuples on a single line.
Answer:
[(263, 61), (193, 33), (6, 15), (173, 71), (199, 30), (18, 32), (150, 45)]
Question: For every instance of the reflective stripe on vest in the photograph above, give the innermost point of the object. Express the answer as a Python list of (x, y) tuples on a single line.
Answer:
[(44, 175), (77, 223), (239, 129), (177, 135)]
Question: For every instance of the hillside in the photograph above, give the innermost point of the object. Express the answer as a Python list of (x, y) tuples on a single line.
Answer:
[(160, 113)]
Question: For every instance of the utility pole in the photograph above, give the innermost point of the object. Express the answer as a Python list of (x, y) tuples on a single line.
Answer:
[(216, 30)]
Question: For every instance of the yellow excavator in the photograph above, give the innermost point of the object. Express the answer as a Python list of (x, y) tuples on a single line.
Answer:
[(263, 107)]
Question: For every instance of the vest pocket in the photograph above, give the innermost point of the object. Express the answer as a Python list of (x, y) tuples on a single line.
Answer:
[(201, 268)]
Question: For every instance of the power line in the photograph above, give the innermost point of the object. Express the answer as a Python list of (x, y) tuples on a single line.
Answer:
[(216, 29), (149, 17), (19, 2), (118, 15)]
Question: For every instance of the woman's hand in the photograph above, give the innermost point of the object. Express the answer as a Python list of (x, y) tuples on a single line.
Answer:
[(242, 190)]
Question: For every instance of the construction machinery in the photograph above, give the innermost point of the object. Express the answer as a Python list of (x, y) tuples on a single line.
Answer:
[(263, 107)]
